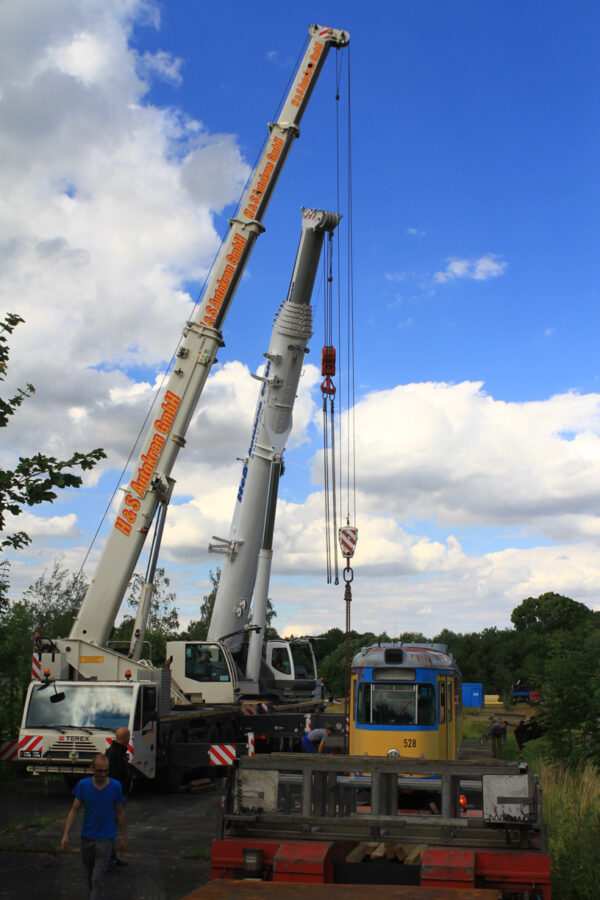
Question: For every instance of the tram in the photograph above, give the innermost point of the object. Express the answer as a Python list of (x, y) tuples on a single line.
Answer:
[(406, 700)]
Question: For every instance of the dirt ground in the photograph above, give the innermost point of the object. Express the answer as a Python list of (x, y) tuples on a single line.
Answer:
[(169, 843)]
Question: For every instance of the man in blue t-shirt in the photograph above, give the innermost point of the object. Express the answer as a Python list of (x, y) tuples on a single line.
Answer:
[(101, 798)]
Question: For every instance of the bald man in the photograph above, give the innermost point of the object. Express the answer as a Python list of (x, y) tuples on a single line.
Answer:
[(118, 768)]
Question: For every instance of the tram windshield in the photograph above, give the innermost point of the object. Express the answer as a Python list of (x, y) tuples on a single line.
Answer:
[(396, 704)]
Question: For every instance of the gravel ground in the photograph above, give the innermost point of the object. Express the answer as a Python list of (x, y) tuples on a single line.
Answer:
[(169, 844)]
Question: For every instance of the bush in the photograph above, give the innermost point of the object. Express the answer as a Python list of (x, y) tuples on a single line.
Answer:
[(571, 800)]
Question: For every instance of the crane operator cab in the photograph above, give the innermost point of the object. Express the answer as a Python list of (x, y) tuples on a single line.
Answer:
[(203, 671), (289, 668)]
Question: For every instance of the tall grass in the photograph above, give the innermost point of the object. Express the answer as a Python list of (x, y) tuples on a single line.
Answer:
[(571, 801), (571, 812)]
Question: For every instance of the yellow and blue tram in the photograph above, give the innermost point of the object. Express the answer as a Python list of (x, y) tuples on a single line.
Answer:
[(406, 697)]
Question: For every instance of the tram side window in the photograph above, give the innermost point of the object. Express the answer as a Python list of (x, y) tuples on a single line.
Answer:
[(363, 709), (450, 698), (442, 702), (426, 704)]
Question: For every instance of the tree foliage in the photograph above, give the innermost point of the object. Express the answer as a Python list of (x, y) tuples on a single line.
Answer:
[(550, 612), (55, 599), (35, 479)]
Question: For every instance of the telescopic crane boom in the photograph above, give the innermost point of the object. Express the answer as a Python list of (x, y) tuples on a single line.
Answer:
[(151, 483), (272, 425)]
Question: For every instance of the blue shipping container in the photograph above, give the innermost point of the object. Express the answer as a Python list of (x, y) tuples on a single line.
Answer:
[(473, 694)]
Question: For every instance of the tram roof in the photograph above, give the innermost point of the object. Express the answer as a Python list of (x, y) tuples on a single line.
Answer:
[(405, 653)]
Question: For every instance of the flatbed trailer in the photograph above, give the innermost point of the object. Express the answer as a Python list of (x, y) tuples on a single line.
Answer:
[(310, 820)]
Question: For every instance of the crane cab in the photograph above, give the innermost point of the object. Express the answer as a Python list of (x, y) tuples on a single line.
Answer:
[(203, 671)]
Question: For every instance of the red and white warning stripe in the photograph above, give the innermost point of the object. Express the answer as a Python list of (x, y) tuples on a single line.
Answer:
[(255, 710), (347, 726), (11, 750), (250, 743), (109, 742), (36, 668), (348, 536), (307, 723), (8, 750), (221, 754)]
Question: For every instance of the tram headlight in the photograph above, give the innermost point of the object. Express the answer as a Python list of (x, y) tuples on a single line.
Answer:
[(393, 753)]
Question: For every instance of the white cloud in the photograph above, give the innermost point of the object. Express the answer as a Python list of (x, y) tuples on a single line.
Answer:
[(39, 527), (162, 64), (107, 212), (490, 266)]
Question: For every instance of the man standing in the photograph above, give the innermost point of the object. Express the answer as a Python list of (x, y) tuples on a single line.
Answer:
[(101, 798), (118, 768)]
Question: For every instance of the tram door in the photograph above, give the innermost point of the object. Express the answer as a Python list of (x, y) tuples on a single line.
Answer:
[(444, 699)]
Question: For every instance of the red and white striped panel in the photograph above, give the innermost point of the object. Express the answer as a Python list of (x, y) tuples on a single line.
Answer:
[(250, 742), (221, 754), (8, 750), (347, 726), (307, 723), (255, 710), (348, 536), (109, 741), (11, 750), (36, 668)]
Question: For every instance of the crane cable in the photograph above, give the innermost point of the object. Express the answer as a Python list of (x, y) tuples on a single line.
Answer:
[(348, 533), (328, 391)]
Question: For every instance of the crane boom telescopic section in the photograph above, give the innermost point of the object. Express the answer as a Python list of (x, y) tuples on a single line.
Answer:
[(151, 482)]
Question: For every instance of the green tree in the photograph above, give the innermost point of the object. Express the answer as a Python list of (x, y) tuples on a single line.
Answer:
[(163, 618), (55, 599), (17, 628), (571, 697), (35, 479), (551, 612), (49, 607)]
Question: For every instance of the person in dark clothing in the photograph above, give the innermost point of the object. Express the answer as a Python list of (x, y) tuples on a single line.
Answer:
[(497, 732), (118, 768)]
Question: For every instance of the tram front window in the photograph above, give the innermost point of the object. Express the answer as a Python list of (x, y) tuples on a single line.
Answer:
[(396, 704)]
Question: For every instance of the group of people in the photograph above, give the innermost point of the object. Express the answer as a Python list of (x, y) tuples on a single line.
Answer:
[(103, 797)]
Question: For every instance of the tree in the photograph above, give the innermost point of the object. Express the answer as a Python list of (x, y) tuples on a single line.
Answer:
[(17, 628), (571, 697), (163, 618), (550, 612), (55, 599), (35, 478), (49, 607)]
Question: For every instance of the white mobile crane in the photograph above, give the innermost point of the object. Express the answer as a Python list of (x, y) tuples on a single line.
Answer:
[(89, 689), (277, 669)]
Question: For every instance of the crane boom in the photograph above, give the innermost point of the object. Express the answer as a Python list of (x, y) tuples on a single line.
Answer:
[(151, 482), (292, 330)]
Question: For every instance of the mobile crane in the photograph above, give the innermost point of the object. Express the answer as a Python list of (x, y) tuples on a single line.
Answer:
[(97, 689), (277, 669)]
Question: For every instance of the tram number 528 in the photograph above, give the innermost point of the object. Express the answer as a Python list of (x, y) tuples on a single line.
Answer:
[(409, 742)]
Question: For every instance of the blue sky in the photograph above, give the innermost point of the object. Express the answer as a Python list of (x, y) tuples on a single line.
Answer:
[(128, 130)]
